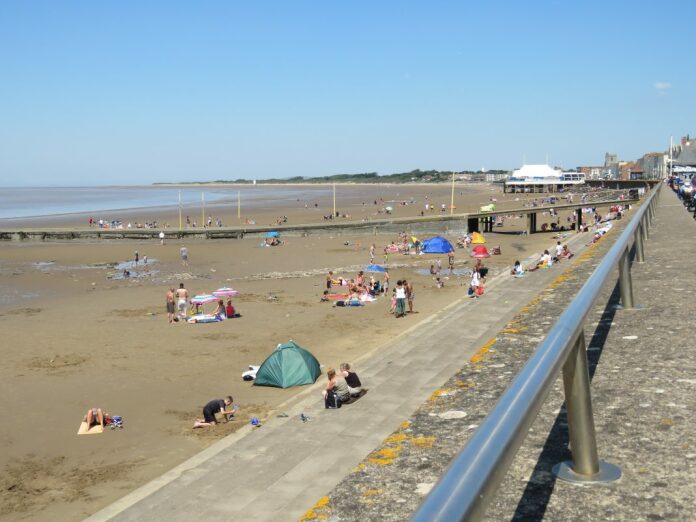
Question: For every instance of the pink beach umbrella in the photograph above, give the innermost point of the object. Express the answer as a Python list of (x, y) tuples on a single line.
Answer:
[(225, 292), (204, 298)]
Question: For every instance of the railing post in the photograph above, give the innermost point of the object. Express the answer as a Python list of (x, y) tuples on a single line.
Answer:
[(638, 240), (644, 228), (625, 283), (585, 466)]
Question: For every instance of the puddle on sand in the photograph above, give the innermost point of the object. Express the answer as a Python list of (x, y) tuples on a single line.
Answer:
[(445, 272)]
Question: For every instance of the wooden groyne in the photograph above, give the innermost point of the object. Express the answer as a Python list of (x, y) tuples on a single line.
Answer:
[(437, 224)]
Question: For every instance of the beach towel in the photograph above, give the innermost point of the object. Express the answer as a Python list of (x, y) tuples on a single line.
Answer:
[(250, 374), (204, 318), (86, 430)]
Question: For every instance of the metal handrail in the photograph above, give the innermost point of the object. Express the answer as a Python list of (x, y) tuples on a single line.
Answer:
[(467, 486)]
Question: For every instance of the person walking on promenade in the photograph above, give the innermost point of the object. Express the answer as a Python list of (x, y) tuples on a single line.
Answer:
[(450, 261), (183, 253)]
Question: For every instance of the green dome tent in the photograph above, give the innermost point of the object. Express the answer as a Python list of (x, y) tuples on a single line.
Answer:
[(288, 365)]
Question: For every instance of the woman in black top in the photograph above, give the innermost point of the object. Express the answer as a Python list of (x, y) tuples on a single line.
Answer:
[(352, 379)]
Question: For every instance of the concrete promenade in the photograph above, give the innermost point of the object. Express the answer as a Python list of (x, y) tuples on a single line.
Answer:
[(430, 387)]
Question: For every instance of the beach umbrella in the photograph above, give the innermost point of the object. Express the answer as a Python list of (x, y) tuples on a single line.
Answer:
[(225, 292), (204, 298), (272, 234), (375, 268)]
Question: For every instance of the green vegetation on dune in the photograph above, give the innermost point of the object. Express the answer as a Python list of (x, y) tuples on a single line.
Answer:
[(415, 176)]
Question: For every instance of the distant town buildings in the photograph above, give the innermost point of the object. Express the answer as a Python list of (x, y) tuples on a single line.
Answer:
[(684, 156)]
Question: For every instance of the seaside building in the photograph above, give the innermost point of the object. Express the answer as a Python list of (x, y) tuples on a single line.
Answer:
[(542, 178), (684, 157), (610, 169), (655, 165)]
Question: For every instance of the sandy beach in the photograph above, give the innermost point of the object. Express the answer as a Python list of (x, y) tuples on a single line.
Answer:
[(76, 336)]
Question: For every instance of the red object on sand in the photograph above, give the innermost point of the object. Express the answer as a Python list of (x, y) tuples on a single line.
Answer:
[(480, 251)]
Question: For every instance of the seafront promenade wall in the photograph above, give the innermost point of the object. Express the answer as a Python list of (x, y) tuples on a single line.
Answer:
[(455, 224)]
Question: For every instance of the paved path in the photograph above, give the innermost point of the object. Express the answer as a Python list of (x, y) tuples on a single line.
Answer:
[(277, 471)]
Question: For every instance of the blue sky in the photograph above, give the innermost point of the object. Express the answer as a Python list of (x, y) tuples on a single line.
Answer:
[(140, 92)]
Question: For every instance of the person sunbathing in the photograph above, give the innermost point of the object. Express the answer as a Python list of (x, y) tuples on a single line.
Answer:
[(94, 417), (544, 261), (566, 253)]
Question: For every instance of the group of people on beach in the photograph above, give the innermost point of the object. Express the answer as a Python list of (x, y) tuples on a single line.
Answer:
[(341, 386), (180, 308)]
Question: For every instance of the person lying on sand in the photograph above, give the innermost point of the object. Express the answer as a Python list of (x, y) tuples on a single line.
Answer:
[(93, 417), (213, 407)]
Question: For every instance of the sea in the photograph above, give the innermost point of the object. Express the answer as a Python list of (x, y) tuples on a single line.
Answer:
[(25, 202)]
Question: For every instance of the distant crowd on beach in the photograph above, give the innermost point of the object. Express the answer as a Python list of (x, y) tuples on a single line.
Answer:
[(366, 286)]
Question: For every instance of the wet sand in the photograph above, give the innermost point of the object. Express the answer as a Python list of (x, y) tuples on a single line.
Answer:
[(75, 337)]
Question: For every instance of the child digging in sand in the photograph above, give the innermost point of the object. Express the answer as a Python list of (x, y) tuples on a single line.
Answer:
[(213, 407)]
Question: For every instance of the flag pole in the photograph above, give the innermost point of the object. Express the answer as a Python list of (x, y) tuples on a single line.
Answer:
[(452, 200), (203, 208), (179, 211), (239, 205), (334, 200)]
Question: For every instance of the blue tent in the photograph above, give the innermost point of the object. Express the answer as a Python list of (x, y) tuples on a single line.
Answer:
[(375, 268), (272, 234), (436, 245)]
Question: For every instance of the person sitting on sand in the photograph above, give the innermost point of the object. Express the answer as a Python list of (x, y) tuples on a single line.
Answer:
[(566, 253), (213, 407), (229, 309), (325, 297), (220, 312), (337, 384), (94, 416), (439, 283), (352, 380)]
